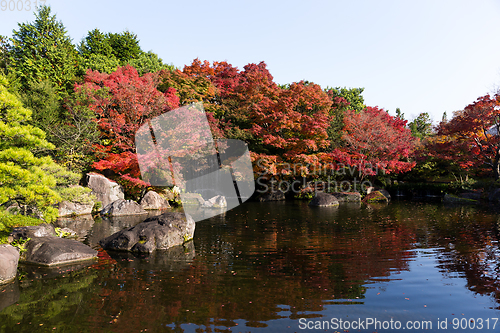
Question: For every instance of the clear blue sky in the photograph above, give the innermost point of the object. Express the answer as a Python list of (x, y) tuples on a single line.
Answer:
[(420, 56)]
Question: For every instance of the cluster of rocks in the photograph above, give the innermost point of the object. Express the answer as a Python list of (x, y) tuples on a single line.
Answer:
[(41, 245), (44, 247)]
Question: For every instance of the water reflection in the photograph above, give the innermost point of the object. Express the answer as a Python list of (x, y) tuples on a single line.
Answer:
[(265, 265)]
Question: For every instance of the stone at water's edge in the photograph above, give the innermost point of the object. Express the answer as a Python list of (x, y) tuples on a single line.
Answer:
[(155, 233), (123, 207), (9, 257), (322, 199), (105, 190), (376, 196), (49, 251), (347, 196), (153, 200)]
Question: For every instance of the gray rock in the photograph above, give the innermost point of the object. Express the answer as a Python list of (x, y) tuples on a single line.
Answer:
[(74, 208), (218, 201), (156, 233), (153, 200), (123, 207), (322, 199), (105, 190), (49, 251), (372, 189), (9, 258), (32, 231), (347, 196), (272, 196)]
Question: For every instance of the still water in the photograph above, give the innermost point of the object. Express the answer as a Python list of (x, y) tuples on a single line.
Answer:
[(281, 267)]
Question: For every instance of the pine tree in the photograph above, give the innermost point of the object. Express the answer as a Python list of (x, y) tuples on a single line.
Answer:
[(26, 177)]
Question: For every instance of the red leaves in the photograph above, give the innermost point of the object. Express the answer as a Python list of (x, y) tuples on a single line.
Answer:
[(375, 137), (471, 137), (123, 101)]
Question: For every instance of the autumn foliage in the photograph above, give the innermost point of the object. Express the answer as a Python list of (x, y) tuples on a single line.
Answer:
[(122, 102), (376, 140), (283, 124), (470, 139)]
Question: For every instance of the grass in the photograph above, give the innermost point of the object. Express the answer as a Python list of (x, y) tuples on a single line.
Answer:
[(9, 221)]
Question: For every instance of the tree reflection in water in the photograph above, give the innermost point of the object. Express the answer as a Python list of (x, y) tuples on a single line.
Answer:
[(267, 263)]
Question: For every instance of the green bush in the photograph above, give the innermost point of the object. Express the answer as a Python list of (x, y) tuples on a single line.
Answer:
[(9, 221)]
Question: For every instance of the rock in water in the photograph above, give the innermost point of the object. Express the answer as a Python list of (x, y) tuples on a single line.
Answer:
[(376, 196), (322, 199), (123, 207), (48, 251), (153, 200), (9, 257), (155, 233)]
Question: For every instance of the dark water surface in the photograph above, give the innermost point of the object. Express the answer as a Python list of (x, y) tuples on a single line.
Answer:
[(281, 267)]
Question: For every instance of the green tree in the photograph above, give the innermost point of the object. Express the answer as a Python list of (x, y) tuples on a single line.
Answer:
[(353, 96), (421, 127), (343, 99), (105, 52), (400, 114), (42, 50), (26, 177)]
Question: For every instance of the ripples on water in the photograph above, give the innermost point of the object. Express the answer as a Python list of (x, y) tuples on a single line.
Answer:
[(263, 266)]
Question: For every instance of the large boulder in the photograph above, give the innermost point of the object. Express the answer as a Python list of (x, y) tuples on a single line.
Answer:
[(155, 233), (9, 257), (105, 190), (347, 196), (322, 199), (49, 251), (32, 231), (123, 207), (153, 200)]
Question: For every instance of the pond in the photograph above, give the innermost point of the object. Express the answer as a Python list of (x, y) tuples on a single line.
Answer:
[(281, 267)]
